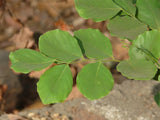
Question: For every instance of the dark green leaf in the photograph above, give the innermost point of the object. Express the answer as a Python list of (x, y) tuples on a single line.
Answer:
[(95, 44), (157, 98), (137, 69), (126, 27), (134, 1), (55, 84), (60, 45), (95, 81), (149, 12), (127, 6), (27, 60), (97, 10)]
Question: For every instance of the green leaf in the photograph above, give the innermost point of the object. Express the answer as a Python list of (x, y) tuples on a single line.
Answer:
[(149, 12), (134, 1), (148, 43), (60, 45), (94, 43), (97, 10), (55, 84), (95, 81), (126, 27), (27, 60), (157, 98), (137, 69), (127, 6), (159, 78), (144, 52)]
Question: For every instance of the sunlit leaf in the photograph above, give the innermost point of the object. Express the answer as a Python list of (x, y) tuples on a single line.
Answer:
[(149, 12), (55, 84), (97, 10), (94, 43), (60, 45), (27, 60), (127, 6), (137, 69), (126, 27), (95, 81)]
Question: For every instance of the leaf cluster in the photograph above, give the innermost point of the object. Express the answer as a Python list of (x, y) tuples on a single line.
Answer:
[(135, 20), (57, 46), (129, 19)]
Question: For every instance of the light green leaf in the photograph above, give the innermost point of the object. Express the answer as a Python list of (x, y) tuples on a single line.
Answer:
[(94, 43), (149, 12), (159, 78), (97, 10), (127, 6), (55, 84), (27, 60), (60, 45), (148, 43), (95, 81), (137, 69), (126, 27)]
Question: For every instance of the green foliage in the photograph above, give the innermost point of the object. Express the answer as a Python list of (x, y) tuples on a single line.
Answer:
[(98, 11), (95, 81), (149, 12), (60, 45), (127, 6), (55, 84), (27, 60), (157, 98), (137, 69), (148, 43), (127, 19), (144, 55), (130, 30), (94, 43)]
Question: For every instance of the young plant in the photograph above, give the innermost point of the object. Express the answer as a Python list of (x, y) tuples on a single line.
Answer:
[(135, 20)]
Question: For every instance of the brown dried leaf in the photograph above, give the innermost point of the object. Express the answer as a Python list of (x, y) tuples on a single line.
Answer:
[(23, 39), (3, 89), (15, 117), (55, 7), (60, 24)]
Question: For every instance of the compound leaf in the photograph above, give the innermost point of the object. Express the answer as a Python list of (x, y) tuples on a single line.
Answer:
[(55, 84), (97, 10), (27, 60), (149, 12), (137, 69), (126, 27), (95, 81), (94, 43), (144, 54), (127, 6), (60, 45)]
